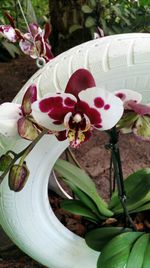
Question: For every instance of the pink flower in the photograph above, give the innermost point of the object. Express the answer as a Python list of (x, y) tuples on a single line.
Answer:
[(82, 108), (8, 32), (35, 43)]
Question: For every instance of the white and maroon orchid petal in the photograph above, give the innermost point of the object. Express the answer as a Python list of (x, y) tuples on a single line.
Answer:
[(34, 29), (8, 32), (51, 110), (139, 108), (27, 45), (10, 18), (48, 55), (61, 135), (79, 80), (29, 97), (47, 31), (126, 95), (40, 45), (102, 108), (9, 115)]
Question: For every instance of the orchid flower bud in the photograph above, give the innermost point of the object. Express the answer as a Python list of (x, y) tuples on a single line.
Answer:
[(5, 160), (18, 176)]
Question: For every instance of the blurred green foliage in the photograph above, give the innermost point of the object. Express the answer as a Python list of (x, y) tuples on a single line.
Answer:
[(75, 21)]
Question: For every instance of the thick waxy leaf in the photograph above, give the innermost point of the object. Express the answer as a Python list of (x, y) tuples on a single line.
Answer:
[(29, 97), (143, 207), (98, 238), (146, 255), (115, 253), (27, 129), (77, 207), (84, 198), (18, 177), (5, 160), (136, 257), (137, 186), (81, 180)]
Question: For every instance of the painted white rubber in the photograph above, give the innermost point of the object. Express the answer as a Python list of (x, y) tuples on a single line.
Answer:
[(121, 61)]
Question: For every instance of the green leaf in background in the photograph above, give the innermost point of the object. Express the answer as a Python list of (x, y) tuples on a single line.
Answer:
[(76, 207), (74, 28), (115, 254), (86, 9), (90, 22), (144, 2), (137, 187), (98, 238), (81, 180), (136, 258)]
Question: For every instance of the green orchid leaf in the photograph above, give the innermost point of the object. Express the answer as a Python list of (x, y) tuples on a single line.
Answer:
[(137, 187), (136, 257), (81, 180), (142, 208), (116, 252), (77, 207), (98, 238), (146, 255), (85, 199)]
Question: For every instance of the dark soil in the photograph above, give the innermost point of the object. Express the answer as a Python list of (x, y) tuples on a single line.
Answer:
[(92, 155)]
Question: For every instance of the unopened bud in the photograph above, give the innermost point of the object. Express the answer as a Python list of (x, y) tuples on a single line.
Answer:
[(5, 161), (18, 176)]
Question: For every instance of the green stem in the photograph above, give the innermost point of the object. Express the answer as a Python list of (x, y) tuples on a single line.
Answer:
[(23, 153)]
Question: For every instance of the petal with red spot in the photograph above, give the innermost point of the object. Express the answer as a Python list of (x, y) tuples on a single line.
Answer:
[(103, 108), (51, 110)]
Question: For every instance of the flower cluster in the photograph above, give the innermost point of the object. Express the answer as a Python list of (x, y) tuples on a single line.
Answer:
[(71, 115), (33, 43), (75, 113)]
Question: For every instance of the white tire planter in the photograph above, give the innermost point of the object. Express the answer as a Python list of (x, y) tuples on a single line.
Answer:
[(121, 61)]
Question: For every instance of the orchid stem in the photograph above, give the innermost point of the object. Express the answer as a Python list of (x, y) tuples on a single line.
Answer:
[(116, 160), (73, 158), (23, 154)]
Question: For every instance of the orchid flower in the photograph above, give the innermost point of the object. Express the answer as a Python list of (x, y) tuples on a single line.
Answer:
[(15, 118), (82, 108), (136, 118), (33, 43)]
